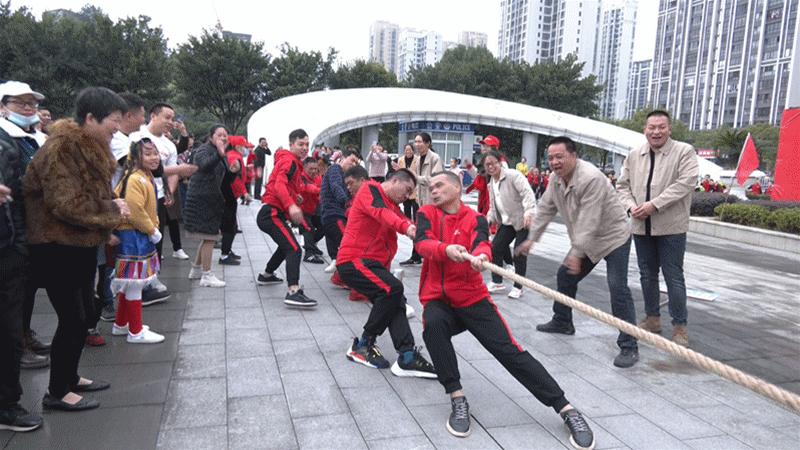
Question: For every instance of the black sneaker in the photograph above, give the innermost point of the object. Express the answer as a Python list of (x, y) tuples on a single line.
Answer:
[(152, 296), (31, 341), (556, 327), (31, 360), (369, 354), (417, 366), (17, 418), (299, 299), (315, 250), (411, 262), (458, 423), (580, 435), (227, 260), (627, 357), (234, 256), (109, 313), (268, 278), (312, 258)]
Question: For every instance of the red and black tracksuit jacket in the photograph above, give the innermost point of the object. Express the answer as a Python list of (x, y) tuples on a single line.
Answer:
[(284, 185), (372, 226), (442, 279), (310, 194)]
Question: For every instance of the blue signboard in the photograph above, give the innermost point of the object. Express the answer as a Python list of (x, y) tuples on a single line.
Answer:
[(437, 126)]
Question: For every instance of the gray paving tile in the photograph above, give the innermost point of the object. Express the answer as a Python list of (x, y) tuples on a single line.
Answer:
[(432, 418), (247, 342), (313, 393), (200, 361), (332, 338), (288, 328), (637, 432), (717, 443), (299, 356), (401, 443), (204, 309), (131, 384), (207, 331), (351, 375), (242, 299), (379, 413), (163, 321), (260, 422), (589, 399), (491, 407), (132, 428), (417, 391), (254, 376), (522, 436), (206, 438), (602, 375), (195, 403), (241, 318), (336, 431), (117, 351), (747, 401), (740, 425), (323, 315)]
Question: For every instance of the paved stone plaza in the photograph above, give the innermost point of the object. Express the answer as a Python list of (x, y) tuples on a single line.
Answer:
[(239, 370)]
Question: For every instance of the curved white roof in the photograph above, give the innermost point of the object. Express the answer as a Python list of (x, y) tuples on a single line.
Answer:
[(324, 114)]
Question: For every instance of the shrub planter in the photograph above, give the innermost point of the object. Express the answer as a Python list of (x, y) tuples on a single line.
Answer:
[(748, 235)]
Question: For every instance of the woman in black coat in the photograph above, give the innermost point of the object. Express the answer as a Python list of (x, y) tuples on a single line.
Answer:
[(202, 215)]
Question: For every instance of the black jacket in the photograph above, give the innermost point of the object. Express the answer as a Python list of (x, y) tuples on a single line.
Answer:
[(204, 200), (12, 214)]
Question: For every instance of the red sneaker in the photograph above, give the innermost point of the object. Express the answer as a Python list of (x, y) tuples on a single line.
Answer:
[(94, 339), (337, 281), (357, 297)]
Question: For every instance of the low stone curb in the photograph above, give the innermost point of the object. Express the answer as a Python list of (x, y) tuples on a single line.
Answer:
[(748, 235)]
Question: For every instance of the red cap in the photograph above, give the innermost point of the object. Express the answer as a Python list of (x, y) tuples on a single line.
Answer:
[(491, 141), (239, 141)]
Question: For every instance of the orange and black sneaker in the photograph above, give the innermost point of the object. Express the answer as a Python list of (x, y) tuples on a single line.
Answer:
[(367, 353)]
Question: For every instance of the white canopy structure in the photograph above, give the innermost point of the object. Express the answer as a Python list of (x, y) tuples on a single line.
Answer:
[(326, 114)]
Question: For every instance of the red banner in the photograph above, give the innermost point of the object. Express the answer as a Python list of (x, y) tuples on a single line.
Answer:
[(787, 166), (748, 160)]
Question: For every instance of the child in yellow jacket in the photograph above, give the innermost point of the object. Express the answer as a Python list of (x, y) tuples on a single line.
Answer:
[(137, 259)]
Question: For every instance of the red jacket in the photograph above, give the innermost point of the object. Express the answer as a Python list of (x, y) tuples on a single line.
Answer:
[(483, 193), (237, 185), (372, 226), (250, 172), (442, 279), (284, 182), (310, 194)]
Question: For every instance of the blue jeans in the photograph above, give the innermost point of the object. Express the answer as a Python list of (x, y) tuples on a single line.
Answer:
[(617, 278), (665, 253)]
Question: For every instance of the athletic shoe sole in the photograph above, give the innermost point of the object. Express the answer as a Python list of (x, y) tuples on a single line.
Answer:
[(154, 301), (19, 428), (456, 433), (356, 358), (267, 283), (496, 290), (297, 304), (400, 372), (575, 444)]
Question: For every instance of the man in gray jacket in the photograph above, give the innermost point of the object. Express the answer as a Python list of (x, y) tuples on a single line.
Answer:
[(598, 229), (656, 189)]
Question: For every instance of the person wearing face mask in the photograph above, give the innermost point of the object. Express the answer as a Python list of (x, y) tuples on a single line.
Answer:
[(19, 104)]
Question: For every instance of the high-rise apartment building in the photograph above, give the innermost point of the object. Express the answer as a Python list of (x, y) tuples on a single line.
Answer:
[(417, 48), (383, 44), (724, 62), (472, 39), (638, 87), (548, 30), (614, 55)]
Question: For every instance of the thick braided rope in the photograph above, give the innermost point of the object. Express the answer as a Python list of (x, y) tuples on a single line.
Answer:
[(758, 385)]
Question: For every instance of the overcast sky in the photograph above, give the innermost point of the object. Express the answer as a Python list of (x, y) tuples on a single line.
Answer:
[(319, 24)]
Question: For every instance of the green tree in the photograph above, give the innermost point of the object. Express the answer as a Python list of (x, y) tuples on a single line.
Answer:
[(729, 142), (766, 138), (361, 74), (223, 76), (294, 72)]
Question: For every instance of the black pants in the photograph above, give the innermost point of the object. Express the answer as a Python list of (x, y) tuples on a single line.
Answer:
[(385, 292), (333, 236), (314, 233), (273, 222), (378, 179), (172, 224), (67, 273), (257, 188), (30, 300), (484, 321), (410, 208), (506, 234), (229, 224), (12, 297)]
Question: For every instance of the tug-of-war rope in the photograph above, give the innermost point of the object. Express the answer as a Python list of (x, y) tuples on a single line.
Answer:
[(781, 396)]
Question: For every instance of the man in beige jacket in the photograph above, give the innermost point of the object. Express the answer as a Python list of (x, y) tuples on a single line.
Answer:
[(598, 229), (656, 189)]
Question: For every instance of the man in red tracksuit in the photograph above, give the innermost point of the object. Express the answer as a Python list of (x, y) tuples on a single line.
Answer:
[(310, 206), (365, 256), (455, 299), (283, 193)]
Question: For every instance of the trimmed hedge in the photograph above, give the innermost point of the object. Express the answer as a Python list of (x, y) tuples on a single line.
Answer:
[(703, 203), (786, 220), (774, 205)]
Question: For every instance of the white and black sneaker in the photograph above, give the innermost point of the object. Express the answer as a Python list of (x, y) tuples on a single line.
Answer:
[(413, 364), (266, 278), (298, 299), (580, 435), (458, 423)]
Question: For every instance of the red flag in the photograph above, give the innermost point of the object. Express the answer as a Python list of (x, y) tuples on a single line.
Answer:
[(748, 161)]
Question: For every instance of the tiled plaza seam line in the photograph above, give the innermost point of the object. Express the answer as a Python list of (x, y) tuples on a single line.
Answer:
[(266, 324)]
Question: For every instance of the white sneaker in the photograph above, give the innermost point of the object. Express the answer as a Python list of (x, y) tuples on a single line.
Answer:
[(515, 293), (409, 311), (158, 285), (331, 268), (180, 254), (122, 331), (210, 280), (145, 337), (398, 273), (495, 287), (196, 272)]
